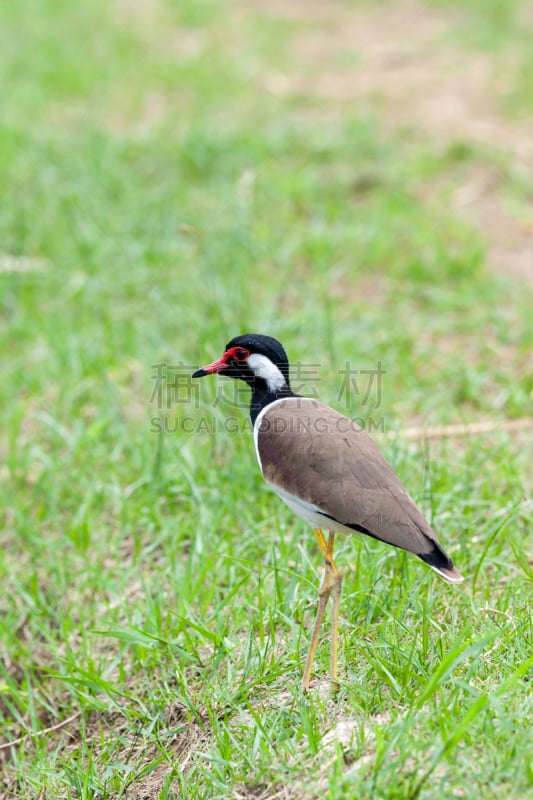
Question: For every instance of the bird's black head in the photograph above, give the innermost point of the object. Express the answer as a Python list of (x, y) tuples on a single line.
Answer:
[(258, 360)]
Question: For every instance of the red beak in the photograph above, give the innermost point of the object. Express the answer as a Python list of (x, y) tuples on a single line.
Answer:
[(216, 366)]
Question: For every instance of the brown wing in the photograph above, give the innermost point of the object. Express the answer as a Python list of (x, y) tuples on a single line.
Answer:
[(322, 457)]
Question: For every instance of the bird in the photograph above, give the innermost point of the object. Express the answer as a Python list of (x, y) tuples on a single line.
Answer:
[(328, 470)]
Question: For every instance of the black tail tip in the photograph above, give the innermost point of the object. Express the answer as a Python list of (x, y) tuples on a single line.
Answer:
[(443, 566)]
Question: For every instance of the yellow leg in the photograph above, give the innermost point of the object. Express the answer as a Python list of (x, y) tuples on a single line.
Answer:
[(336, 596), (331, 584)]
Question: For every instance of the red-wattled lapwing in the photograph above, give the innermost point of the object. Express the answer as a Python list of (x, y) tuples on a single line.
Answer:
[(327, 469)]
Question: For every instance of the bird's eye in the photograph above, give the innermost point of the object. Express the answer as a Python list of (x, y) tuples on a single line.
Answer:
[(241, 354)]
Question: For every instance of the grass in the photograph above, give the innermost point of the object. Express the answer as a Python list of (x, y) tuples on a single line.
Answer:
[(158, 199)]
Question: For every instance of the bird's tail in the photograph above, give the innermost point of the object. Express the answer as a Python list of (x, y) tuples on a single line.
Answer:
[(450, 574), (443, 566)]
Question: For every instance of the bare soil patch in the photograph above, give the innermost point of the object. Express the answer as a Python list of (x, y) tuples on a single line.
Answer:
[(401, 63)]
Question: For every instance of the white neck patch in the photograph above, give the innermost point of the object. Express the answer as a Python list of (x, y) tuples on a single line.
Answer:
[(264, 368)]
